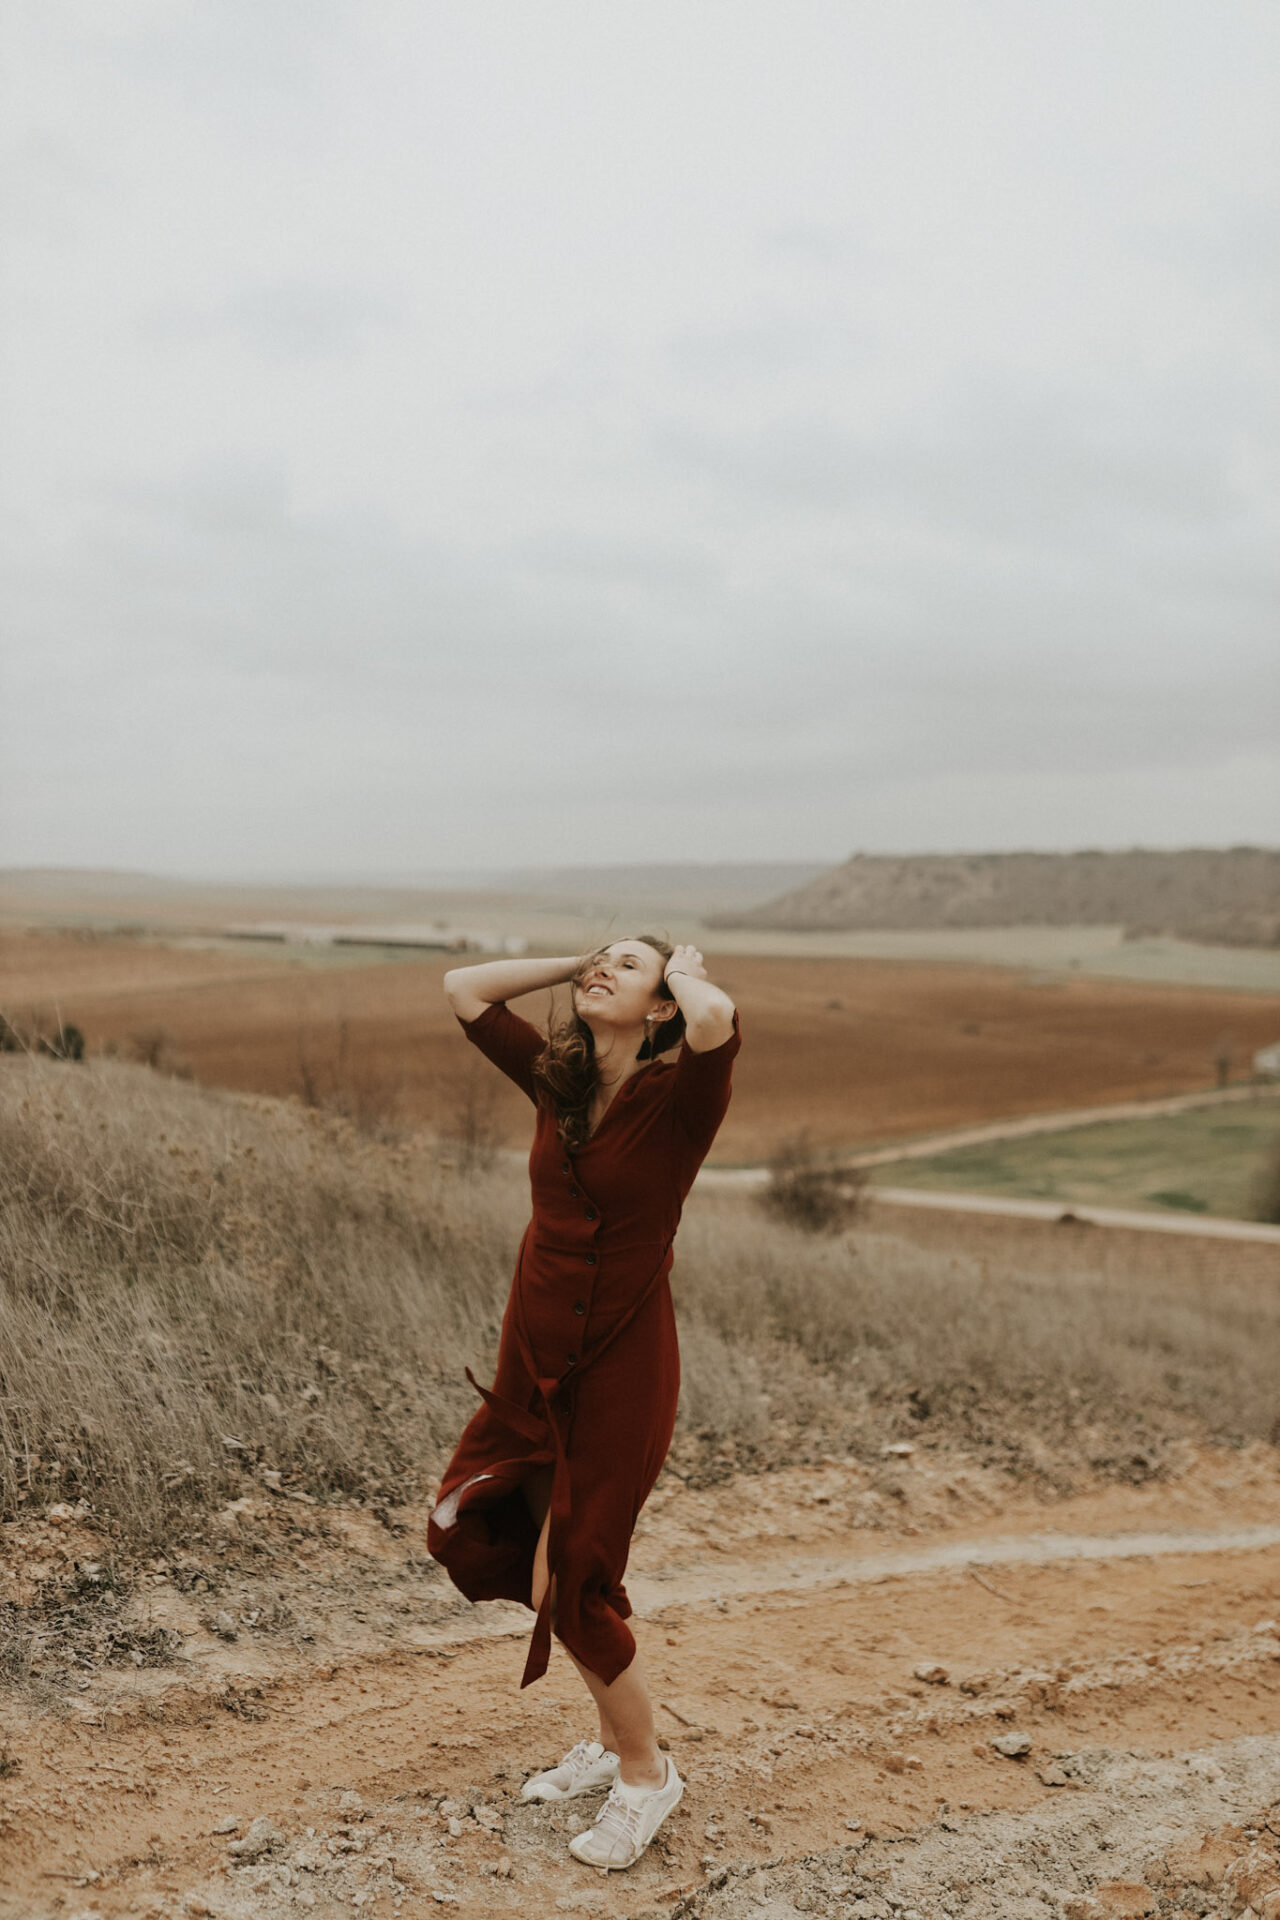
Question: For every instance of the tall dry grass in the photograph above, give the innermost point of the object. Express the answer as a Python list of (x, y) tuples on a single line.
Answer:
[(1086, 1351), (197, 1287), (196, 1284)]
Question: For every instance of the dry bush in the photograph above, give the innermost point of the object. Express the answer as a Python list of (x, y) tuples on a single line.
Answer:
[(345, 1081), (470, 1135), (58, 1039), (1266, 1192), (811, 1190)]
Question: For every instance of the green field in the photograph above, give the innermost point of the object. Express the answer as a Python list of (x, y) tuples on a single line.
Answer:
[(1211, 1160)]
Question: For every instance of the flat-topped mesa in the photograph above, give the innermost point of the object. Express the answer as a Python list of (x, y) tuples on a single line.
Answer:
[(1229, 896)]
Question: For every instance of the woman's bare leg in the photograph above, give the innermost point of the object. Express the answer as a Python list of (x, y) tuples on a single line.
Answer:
[(626, 1709)]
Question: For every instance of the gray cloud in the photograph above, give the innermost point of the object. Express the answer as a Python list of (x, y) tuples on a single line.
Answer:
[(488, 438), (284, 320), (1049, 467)]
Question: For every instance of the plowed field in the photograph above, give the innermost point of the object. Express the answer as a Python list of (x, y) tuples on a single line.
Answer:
[(857, 1051)]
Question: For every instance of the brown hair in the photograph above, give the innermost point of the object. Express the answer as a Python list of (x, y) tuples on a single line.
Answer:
[(565, 1072)]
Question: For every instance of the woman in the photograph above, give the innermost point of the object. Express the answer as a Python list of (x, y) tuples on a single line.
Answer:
[(540, 1499)]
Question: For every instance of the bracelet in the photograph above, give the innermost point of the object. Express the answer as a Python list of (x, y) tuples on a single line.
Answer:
[(677, 973)]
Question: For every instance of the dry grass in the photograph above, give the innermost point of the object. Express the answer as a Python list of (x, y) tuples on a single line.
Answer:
[(198, 1289), (197, 1285), (810, 1189), (1084, 1352)]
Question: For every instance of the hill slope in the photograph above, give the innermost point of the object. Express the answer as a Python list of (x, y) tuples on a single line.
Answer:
[(1200, 893)]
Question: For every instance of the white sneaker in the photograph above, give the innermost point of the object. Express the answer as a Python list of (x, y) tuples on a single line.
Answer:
[(588, 1766), (627, 1822)]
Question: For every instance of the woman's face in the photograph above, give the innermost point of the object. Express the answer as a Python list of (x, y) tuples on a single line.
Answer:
[(620, 985)]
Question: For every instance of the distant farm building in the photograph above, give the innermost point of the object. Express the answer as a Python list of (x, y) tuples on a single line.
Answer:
[(1267, 1061), (432, 939)]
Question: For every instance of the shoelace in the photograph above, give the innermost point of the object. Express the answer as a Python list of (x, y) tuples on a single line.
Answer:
[(578, 1760), (617, 1820)]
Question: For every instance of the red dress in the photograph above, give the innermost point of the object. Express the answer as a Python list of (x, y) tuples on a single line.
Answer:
[(588, 1368)]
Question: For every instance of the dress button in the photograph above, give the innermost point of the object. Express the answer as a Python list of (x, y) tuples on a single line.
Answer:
[(573, 1193), (591, 1259), (564, 1166), (571, 1359), (579, 1306), (592, 1214)]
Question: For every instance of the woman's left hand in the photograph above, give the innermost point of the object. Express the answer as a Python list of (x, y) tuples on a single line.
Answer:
[(707, 1010), (686, 960)]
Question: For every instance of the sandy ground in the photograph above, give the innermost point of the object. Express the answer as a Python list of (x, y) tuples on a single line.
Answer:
[(858, 1051), (836, 1649)]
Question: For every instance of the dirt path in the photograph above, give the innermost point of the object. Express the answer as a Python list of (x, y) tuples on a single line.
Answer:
[(831, 1699), (1003, 1207), (1201, 1225)]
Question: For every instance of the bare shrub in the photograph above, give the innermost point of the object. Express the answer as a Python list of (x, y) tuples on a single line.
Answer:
[(54, 1037), (470, 1137), (1266, 1190), (153, 1047), (349, 1084), (65, 1043), (811, 1190), (309, 1091)]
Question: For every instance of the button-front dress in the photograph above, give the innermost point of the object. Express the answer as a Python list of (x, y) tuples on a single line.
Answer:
[(588, 1370)]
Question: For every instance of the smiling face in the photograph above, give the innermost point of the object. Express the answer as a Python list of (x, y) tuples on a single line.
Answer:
[(620, 985)]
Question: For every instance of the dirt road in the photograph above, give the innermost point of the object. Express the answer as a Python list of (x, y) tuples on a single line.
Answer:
[(1128, 1218), (832, 1697)]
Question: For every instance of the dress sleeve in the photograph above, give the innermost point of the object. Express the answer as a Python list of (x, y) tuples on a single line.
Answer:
[(703, 1081), (510, 1042)]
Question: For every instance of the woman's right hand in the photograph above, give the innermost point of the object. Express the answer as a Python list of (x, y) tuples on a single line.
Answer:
[(471, 989)]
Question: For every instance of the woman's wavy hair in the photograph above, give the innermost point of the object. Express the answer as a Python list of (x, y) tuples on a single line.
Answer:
[(565, 1071)]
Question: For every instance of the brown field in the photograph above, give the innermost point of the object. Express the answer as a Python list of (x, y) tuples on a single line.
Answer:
[(856, 1050)]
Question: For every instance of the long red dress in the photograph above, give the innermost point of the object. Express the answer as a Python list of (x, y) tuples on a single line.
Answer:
[(588, 1368)]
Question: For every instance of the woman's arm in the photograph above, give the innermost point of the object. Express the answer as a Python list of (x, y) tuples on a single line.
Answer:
[(471, 989), (707, 1010)]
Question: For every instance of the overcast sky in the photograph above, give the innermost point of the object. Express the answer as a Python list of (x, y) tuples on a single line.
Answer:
[(514, 431)]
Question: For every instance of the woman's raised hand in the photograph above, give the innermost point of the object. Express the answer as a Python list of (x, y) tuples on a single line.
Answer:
[(707, 1010), (471, 989), (686, 960)]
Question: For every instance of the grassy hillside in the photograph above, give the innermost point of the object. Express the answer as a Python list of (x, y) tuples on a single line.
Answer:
[(1232, 896), (203, 1291)]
